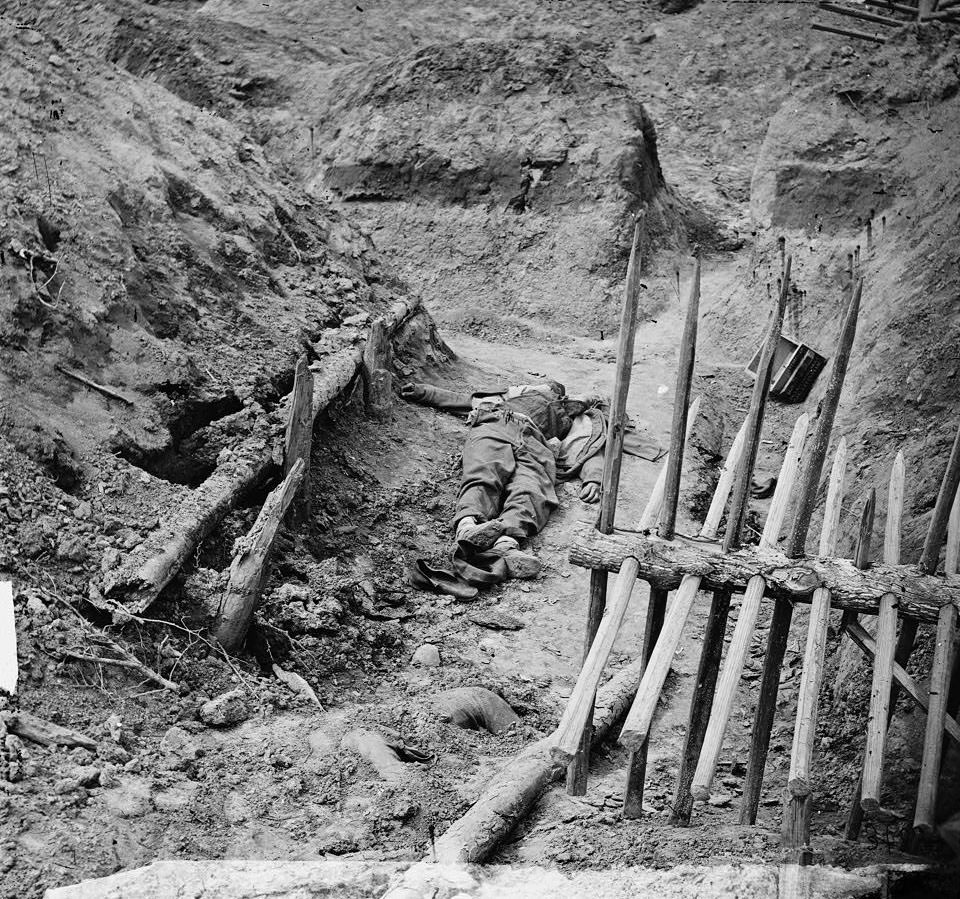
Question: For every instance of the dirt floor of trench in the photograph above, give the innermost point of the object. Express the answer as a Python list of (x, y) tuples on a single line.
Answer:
[(280, 784)]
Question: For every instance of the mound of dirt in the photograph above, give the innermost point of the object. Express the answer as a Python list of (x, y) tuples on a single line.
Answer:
[(502, 152)]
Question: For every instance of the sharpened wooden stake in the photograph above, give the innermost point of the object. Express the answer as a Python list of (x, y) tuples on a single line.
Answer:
[(681, 403), (936, 715), (251, 565), (796, 819), (747, 620), (299, 438), (886, 647), (637, 726), (953, 538), (579, 707), (783, 610), (610, 486), (716, 626)]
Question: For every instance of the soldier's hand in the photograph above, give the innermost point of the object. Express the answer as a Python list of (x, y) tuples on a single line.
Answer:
[(414, 393), (590, 492)]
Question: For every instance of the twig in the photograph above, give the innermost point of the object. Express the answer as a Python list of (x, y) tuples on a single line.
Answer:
[(83, 379)]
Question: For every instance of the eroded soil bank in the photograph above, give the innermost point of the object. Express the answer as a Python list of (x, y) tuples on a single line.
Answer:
[(236, 183)]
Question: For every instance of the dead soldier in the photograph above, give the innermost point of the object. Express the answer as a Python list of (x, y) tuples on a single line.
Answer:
[(522, 440)]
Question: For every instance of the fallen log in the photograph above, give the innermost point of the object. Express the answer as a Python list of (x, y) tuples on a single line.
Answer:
[(250, 567), (664, 563), (510, 795), (152, 565)]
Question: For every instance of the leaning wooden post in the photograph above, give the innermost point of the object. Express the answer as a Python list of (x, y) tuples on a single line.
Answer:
[(653, 623), (886, 646), (657, 600), (747, 620), (636, 728), (251, 565), (712, 644), (377, 378), (299, 437), (783, 610), (796, 817), (923, 819), (612, 461)]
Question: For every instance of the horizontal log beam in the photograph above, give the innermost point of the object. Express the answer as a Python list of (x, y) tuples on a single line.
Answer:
[(663, 564)]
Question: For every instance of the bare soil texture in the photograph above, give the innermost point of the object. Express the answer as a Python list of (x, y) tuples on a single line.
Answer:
[(235, 183)]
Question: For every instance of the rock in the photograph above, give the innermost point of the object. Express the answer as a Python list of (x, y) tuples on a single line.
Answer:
[(55, 60), (112, 752), (71, 549), (498, 621), (475, 708), (179, 744), (131, 799), (427, 655), (176, 798), (488, 646), (86, 775), (83, 510), (226, 709), (236, 809)]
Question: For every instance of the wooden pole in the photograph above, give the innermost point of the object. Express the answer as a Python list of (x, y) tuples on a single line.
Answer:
[(783, 610), (681, 403), (929, 559), (796, 818), (251, 565), (936, 715), (747, 620), (848, 32), (896, 7), (886, 646), (953, 538), (712, 644), (612, 463), (579, 710), (637, 725), (861, 14), (656, 612), (918, 693), (299, 438)]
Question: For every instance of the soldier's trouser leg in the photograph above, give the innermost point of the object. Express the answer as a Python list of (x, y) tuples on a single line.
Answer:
[(530, 494), (488, 465)]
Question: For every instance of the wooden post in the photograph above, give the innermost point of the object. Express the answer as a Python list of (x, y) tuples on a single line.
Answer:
[(653, 622), (668, 486), (612, 461), (936, 714), (636, 727), (579, 710), (251, 565), (747, 620), (796, 818), (299, 437), (377, 379), (712, 644), (936, 530), (783, 610), (886, 646), (681, 402), (953, 538)]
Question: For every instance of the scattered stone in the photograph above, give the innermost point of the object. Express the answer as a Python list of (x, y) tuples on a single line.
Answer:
[(427, 655), (226, 709), (498, 621), (178, 743)]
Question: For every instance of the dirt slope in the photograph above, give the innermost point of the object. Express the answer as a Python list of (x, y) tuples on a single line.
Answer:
[(200, 249)]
